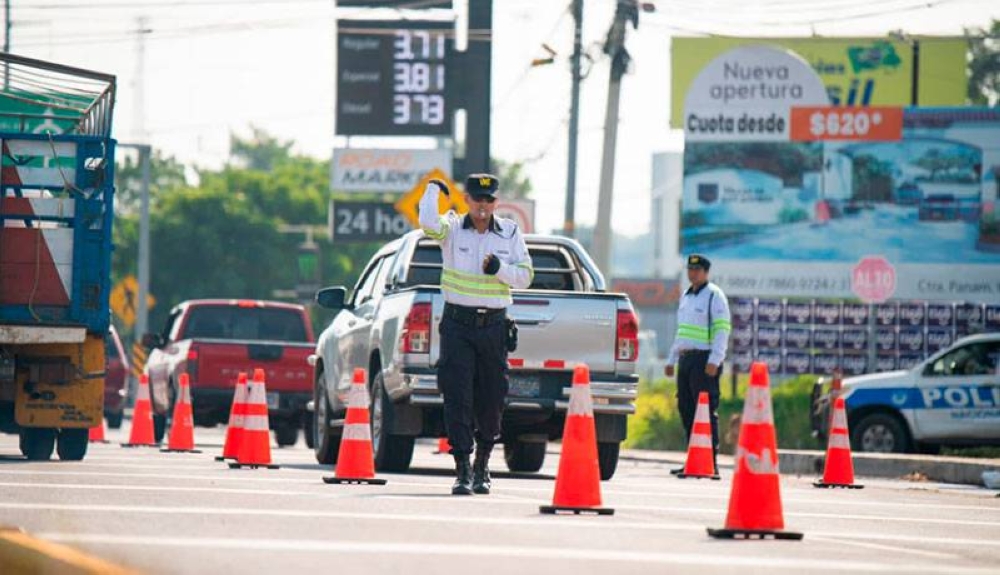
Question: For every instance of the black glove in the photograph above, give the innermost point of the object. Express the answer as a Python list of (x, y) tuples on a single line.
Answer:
[(441, 186), (491, 265)]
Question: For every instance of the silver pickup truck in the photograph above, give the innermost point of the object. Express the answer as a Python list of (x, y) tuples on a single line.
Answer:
[(388, 326)]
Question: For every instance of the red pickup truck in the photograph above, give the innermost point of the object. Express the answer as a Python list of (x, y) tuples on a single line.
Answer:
[(214, 340)]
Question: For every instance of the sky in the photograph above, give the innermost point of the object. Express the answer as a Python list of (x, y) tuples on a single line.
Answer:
[(213, 67)]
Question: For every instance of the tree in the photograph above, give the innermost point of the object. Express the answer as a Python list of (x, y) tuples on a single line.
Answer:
[(261, 151), (984, 65), (165, 173), (514, 183)]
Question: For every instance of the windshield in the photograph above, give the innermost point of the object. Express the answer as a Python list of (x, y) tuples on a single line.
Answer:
[(245, 323)]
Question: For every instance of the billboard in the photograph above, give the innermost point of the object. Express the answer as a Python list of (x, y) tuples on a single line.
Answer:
[(804, 218), (383, 170), (854, 71)]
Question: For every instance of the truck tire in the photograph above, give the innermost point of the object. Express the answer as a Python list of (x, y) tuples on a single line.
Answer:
[(392, 452), (309, 430), (114, 419), (72, 445), (607, 458), (880, 432), (522, 456), (286, 433), (37, 443), (327, 443)]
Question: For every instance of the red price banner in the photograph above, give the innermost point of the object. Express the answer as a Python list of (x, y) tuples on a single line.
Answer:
[(883, 124)]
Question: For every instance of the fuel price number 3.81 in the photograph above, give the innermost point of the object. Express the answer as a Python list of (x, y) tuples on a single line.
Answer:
[(419, 77)]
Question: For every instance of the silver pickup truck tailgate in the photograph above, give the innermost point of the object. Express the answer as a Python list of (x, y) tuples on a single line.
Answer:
[(558, 330)]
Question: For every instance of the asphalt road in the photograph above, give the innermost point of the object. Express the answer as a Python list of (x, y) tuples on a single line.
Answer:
[(185, 513)]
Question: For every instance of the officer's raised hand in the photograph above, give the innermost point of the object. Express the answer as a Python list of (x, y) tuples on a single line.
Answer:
[(443, 187), (491, 264)]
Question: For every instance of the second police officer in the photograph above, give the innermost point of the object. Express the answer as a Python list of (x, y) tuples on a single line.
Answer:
[(483, 257)]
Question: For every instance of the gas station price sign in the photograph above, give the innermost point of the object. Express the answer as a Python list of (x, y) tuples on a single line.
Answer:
[(392, 78)]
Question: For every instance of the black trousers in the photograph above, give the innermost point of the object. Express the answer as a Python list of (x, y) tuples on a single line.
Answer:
[(472, 376), (692, 380)]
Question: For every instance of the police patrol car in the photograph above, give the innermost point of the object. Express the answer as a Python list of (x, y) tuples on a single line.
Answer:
[(951, 398)]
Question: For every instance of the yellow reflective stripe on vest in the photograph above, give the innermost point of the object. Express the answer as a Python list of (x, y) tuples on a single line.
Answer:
[(439, 235), (527, 266), (722, 325), (693, 332), (474, 285)]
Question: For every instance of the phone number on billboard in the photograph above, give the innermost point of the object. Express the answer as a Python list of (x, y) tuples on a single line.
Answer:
[(788, 284)]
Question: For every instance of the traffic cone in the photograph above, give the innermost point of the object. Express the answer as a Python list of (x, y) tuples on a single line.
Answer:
[(181, 438), (255, 438), (701, 457), (443, 446), (356, 462), (141, 434), (578, 483), (839, 468), (96, 433), (237, 411), (755, 499)]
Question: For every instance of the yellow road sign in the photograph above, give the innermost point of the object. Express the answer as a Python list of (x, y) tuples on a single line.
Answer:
[(124, 299), (407, 205)]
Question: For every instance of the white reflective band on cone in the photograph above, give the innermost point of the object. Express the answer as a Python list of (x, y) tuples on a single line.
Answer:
[(839, 420), (255, 423), (580, 402), (839, 441), (241, 394), (764, 464), (143, 394), (238, 420), (256, 394), (701, 415), (185, 394), (357, 431), (700, 440), (758, 406), (358, 396)]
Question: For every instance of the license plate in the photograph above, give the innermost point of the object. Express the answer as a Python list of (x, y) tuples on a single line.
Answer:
[(272, 400), (522, 385)]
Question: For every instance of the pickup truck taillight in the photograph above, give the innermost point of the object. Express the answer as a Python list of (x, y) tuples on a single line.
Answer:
[(627, 342), (191, 365), (417, 329)]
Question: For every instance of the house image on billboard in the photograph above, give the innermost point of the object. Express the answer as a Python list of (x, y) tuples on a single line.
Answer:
[(734, 196)]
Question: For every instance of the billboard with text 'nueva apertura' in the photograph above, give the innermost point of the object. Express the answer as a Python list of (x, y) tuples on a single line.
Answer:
[(915, 190)]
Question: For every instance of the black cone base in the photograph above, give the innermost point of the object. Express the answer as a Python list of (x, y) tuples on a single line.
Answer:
[(686, 476), (353, 481), (753, 534), (822, 485), (180, 451), (557, 509), (234, 465)]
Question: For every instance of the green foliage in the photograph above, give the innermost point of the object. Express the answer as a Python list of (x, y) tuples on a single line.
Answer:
[(789, 215), (657, 423), (165, 174), (261, 151), (514, 183), (984, 65), (989, 224), (787, 161)]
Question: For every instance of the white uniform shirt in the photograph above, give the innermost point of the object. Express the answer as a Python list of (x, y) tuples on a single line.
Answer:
[(693, 329), (463, 250)]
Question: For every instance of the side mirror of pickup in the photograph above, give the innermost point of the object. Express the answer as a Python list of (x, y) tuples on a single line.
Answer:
[(332, 298), (152, 340)]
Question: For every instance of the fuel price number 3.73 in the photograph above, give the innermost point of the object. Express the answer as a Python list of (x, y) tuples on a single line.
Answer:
[(419, 72)]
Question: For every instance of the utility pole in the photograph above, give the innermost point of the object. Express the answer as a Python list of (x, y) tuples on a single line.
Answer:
[(614, 46), (139, 128), (6, 42), (569, 225)]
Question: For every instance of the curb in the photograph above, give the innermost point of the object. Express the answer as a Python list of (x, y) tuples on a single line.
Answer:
[(22, 553), (957, 470)]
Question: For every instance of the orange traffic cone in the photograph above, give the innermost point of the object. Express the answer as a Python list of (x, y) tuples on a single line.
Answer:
[(356, 462), (443, 446), (142, 418), (181, 438), (701, 457), (839, 468), (96, 433), (255, 438), (237, 411), (578, 483), (755, 499)]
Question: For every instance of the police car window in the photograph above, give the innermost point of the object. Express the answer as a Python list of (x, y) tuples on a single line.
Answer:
[(364, 290), (974, 359), (553, 270), (425, 266)]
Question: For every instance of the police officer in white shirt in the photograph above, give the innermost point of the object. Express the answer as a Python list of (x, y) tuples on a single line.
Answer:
[(703, 326), (483, 257)]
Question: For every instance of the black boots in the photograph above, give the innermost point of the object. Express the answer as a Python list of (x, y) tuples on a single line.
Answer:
[(481, 483), (463, 476)]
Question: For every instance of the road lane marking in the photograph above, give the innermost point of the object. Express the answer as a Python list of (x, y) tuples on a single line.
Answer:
[(891, 548), (507, 552)]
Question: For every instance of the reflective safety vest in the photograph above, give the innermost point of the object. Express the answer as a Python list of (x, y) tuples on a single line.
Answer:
[(463, 250), (703, 322)]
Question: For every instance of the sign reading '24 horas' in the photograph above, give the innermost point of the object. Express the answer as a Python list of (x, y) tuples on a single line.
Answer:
[(392, 77)]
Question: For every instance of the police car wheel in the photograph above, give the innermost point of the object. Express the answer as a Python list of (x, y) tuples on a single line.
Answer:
[(392, 452), (880, 433)]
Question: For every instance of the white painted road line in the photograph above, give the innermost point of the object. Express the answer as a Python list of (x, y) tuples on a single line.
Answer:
[(507, 552)]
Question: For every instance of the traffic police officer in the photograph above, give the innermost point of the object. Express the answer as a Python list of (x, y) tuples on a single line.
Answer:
[(703, 326), (484, 256)]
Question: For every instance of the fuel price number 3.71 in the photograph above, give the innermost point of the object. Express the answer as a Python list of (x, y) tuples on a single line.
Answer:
[(419, 72)]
